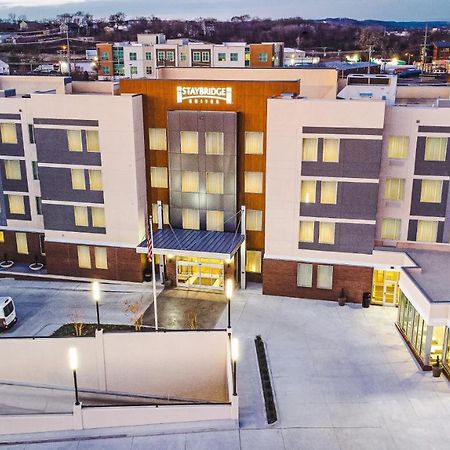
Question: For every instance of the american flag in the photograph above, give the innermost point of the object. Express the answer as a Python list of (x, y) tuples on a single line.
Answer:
[(149, 242)]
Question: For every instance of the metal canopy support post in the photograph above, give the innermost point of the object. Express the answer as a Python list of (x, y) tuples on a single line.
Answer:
[(243, 249), (160, 227)]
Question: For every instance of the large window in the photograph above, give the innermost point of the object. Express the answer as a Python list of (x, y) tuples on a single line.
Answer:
[(78, 179), (310, 146), (92, 141), (390, 229), (435, 149), (214, 220), (101, 258), (196, 56), (189, 181), (234, 56), (189, 141), (12, 169), (84, 257), (253, 261), (431, 191), (165, 209), (254, 142), (398, 147), (306, 231), (16, 204), (325, 277), (157, 139), (263, 57), (22, 243), (308, 191), (304, 275), (214, 182), (214, 142), (191, 219), (133, 56), (148, 56), (205, 57), (74, 140), (81, 216), (158, 177), (253, 220), (8, 133), (326, 232), (95, 180), (427, 231), (222, 57), (98, 217), (330, 150), (253, 182), (394, 189), (328, 192)]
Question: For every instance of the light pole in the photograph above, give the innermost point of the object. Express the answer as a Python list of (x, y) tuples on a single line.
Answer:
[(96, 297), (228, 293), (234, 357), (73, 363)]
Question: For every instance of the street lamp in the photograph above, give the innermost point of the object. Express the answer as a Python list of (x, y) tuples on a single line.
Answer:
[(228, 294), (73, 364), (96, 297), (234, 357)]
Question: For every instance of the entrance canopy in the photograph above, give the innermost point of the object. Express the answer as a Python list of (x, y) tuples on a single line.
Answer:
[(196, 243)]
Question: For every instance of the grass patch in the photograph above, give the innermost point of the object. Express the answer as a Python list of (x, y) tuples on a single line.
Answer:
[(68, 329)]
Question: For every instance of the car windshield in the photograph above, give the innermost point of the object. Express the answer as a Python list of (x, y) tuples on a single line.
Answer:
[(8, 309)]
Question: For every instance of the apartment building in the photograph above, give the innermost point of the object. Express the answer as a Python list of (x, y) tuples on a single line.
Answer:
[(141, 59), (64, 211)]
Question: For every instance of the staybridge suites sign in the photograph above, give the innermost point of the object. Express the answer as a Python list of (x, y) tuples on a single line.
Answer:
[(211, 95)]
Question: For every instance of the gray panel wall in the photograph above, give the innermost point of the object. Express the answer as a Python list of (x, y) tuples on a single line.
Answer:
[(56, 184), (358, 158), (354, 201), (61, 217), (52, 147), (14, 185), (422, 167), (202, 121), (349, 237), (13, 149), (428, 209)]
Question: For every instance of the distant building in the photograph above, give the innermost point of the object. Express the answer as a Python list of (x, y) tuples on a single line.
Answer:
[(4, 68), (440, 55)]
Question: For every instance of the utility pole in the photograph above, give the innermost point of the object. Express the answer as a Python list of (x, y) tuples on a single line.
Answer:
[(68, 48)]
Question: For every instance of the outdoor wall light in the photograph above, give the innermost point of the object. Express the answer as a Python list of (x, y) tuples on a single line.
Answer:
[(73, 364)]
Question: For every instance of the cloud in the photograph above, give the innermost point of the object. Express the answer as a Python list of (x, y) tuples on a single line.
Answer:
[(35, 3)]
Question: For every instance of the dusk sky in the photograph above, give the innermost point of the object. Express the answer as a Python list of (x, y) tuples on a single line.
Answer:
[(312, 9)]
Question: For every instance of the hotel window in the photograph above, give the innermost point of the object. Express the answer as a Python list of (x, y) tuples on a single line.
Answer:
[(191, 219), (78, 179), (196, 56), (310, 146), (254, 142), (92, 142), (39, 206), (101, 257), (2, 236), (328, 192), (189, 181), (205, 57), (304, 275), (214, 220), (12, 169), (398, 147), (390, 229), (148, 70), (306, 231), (253, 261), (105, 70), (74, 140), (95, 180), (34, 166), (157, 139), (263, 57), (427, 231), (170, 55), (214, 182), (330, 150), (394, 189), (435, 149), (9, 133), (234, 57), (16, 204), (98, 217), (84, 257), (222, 57), (158, 177), (81, 216), (148, 56), (189, 141), (165, 213), (308, 191), (22, 243), (325, 277), (253, 220), (326, 232), (133, 70), (214, 142), (431, 191), (133, 56), (253, 182), (105, 56)]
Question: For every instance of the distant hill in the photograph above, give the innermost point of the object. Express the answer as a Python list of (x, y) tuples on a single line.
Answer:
[(392, 24)]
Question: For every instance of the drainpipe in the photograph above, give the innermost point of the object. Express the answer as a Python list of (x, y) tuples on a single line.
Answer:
[(160, 227), (243, 249)]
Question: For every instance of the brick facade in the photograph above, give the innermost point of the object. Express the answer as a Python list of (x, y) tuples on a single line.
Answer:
[(9, 248), (280, 278)]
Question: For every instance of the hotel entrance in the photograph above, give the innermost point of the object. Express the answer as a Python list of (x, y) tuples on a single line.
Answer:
[(385, 287), (200, 273)]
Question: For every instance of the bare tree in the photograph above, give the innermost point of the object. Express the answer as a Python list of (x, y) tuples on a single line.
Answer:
[(135, 309), (77, 321)]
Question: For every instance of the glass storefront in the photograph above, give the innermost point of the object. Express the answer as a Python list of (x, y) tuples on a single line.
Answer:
[(200, 273), (385, 288)]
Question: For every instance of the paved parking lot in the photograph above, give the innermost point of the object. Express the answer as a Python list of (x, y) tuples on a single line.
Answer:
[(343, 379)]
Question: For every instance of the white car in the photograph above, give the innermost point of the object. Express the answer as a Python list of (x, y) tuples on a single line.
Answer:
[(7, 313)]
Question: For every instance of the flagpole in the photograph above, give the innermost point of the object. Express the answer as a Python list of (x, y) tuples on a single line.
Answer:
[(155, 306)]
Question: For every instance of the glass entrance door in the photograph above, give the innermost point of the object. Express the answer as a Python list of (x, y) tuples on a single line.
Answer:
[(200, 273), (385, 288)]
